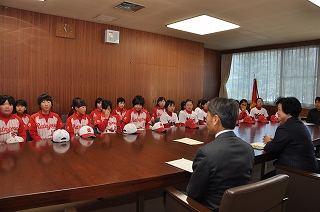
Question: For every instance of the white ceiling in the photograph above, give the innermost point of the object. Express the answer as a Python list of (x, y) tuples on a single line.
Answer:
[(262, 22)]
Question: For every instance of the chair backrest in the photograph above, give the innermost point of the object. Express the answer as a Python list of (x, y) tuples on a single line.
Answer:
[(303, 189), (266, 195)]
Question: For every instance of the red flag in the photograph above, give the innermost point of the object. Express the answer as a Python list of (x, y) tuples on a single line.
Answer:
[(255, 93)]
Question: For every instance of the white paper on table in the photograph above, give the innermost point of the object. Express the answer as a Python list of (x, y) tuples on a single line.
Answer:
[(182, 163), (258, 145), (188, 141), (308, 123)]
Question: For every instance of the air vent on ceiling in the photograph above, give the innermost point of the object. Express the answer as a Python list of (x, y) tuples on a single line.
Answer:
[(129, 7), (105, 18)]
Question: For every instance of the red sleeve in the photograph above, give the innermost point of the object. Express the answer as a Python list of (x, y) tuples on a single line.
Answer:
[(167, 125), (69, 127), (22, 130), (119, 129), (242, 115), (101, 125), (89, 121), (154, 112), (114, 112), (33, 129), (126, 119), (60, 124), (147, 119)]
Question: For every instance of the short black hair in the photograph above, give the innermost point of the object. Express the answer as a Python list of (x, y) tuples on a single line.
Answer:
[(226, 109), (160, 99), (258, 99), (290, 105), (98, 100), (168, 103), (317, 99), (203, 102), (45, 97), (121, 99), (189, 100), (4, 98), (242, 101), (105, 104), (138, 100), (78, 102), (183, 103)]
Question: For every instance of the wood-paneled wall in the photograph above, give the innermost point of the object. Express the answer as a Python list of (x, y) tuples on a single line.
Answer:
[(34, 61)]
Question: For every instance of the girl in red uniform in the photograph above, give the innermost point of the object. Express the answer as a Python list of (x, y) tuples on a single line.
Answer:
[(79, 117), (97, 111), (137, 115), (159, 109), (107, 123), (10, 124), (44, 122)]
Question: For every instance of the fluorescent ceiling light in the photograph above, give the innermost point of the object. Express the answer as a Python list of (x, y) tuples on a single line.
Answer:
[(316, 2), (203, 25)]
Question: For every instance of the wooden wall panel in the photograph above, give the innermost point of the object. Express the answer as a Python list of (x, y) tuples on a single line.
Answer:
[(212, 74), (34, 61)]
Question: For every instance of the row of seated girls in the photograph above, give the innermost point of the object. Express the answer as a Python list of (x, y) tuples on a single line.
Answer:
[(15, 123), (257, 113)]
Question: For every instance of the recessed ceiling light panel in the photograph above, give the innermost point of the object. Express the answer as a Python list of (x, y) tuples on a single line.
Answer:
[(316, 2), (203, 25)]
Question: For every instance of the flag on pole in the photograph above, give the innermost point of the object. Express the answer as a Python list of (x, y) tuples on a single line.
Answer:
[(255, 93)]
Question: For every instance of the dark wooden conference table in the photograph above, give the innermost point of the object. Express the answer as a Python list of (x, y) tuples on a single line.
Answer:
[(36, 174)]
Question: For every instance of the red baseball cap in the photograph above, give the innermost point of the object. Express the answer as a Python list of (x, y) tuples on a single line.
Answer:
[(262, 119), (249, 120), (273, 118), (190, 123)]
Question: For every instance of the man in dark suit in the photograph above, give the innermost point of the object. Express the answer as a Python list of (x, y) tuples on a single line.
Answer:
[(225, 162)]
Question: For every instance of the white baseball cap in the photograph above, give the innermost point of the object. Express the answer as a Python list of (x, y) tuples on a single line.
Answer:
[(130, 129), (86, 132), (15, 139), (159, 127), (60, 136), (61, 147)]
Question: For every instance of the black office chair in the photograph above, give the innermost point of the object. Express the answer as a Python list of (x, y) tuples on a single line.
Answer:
[(267, 195)]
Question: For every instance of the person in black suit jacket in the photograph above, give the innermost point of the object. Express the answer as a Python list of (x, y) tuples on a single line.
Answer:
[(292, 140), (314, 114), (225, 162)]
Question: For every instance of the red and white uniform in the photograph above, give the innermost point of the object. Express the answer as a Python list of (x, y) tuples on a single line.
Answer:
[(169, 119), (242, 114), (75, 122), (185, 115), (120, 112), (258, 111), (202, 116), (110, 125), (94, 114), (157, 112), (139, 118), (11, 126), (25, 118), (42, 126)]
